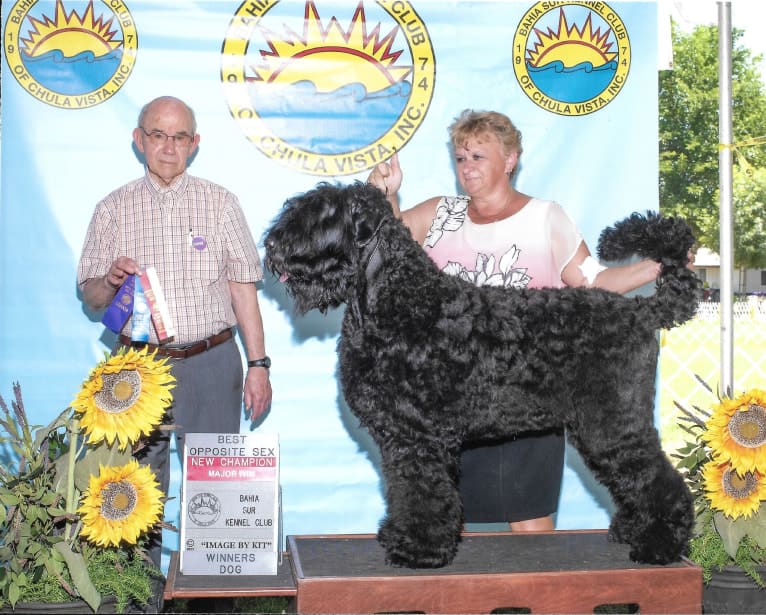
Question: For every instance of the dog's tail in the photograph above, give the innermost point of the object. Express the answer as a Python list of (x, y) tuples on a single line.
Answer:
[(666, 240)]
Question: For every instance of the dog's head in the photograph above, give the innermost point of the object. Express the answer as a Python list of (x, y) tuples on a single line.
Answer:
[(314, 243)]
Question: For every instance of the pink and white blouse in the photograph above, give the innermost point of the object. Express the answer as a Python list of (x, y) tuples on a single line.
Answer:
[(528, 249)]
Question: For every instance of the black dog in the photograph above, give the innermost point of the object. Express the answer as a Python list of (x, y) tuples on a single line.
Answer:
[(429, 362)]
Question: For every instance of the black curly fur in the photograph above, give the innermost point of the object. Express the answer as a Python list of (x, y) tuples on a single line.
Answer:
[(429, 362)]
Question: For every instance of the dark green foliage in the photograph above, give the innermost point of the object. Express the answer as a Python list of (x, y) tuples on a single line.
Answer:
[(707, 551), (689, 141)]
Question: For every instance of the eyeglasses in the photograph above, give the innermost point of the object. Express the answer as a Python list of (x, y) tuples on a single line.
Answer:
[(157, 137)]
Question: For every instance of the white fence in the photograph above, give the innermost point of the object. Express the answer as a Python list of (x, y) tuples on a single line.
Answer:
[(753, 308), (694, 350)]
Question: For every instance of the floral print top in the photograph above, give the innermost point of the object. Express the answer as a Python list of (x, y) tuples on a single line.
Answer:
[(527, 249)]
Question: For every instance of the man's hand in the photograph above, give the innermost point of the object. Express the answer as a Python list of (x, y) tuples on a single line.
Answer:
[(257, 395), (119, 271), (98, 292)]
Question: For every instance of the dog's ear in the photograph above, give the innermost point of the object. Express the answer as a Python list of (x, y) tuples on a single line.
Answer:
[(368, 209)]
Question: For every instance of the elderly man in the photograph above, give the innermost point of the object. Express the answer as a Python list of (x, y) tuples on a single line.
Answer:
[(195, 234)]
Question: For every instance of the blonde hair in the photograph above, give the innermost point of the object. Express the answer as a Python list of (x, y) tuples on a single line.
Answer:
[(471, 124)]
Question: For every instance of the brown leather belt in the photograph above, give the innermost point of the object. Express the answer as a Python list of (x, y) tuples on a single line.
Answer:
[(181, 352)]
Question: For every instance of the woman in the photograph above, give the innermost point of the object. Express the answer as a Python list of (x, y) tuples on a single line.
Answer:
[(495, 235)]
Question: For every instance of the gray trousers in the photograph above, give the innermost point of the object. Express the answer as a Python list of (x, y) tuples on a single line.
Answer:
[(207, 398)]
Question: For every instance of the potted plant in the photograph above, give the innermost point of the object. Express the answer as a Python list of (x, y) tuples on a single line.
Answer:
[(724, 464), (77, 508)]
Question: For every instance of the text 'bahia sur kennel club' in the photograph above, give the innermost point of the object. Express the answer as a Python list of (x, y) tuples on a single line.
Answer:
[(429, 361)]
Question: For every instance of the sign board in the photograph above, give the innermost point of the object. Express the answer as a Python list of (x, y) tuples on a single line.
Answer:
[(230, 504)]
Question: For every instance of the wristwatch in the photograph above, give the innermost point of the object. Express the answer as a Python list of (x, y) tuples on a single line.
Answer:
[(264, 362)]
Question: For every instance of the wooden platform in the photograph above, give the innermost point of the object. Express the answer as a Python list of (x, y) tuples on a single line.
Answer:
[(545, 572)]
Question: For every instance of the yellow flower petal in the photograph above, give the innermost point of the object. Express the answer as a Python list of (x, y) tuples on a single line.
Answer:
[(120, 505), (736, 432), (733, 493), (125, 397)]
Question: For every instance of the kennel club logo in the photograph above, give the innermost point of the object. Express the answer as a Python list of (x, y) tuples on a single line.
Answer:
[(328, 94), (571, 58), (71, 55), (204, 509)]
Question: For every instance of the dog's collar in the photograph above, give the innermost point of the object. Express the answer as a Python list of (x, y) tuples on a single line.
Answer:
[(370, 261), (370, 258)]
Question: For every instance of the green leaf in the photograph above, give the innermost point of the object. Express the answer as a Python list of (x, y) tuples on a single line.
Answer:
[(48, 498), (9, 499), (79, 571), (60, 482), (688, 463), (102, 454), (757, 527), (56, 511), (32, 513), (732, 531), (62, 420), (13, 594)]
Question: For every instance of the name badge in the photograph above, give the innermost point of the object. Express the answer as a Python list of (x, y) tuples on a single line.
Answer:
[(198, 242)]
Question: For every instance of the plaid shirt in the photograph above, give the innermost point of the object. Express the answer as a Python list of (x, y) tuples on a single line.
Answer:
[(193, 232)]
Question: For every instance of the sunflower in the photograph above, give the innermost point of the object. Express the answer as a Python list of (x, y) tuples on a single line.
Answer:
[(735, 494), (124, 397), (736, 431), (121, 503)]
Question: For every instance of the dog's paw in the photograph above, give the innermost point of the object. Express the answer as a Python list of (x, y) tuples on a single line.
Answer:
[(408, 551), (659, 544), (408, 560), (657, 554)]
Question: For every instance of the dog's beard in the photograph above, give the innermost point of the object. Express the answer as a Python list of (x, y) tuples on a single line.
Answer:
[(309, 286), (307, 296)]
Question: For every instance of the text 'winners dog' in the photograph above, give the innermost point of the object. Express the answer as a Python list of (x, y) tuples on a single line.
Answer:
[(429, 362)]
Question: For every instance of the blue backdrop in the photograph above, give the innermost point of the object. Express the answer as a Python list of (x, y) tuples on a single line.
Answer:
[(287, 94)]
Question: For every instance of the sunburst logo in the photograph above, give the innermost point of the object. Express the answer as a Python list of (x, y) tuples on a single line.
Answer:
[(71, 55), (328, 94), (572, 59)]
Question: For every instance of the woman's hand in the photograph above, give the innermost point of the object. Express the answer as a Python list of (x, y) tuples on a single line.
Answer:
[(387, 176)]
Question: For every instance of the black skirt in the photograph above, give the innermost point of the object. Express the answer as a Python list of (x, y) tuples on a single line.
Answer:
[(513, 480)]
